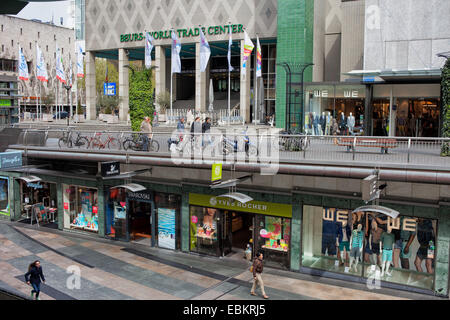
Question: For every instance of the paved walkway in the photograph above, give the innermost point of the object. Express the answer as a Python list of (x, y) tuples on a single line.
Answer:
[(126, 271)]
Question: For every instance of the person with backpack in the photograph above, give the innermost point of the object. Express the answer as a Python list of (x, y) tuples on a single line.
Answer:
[(257, 269), (33, 277)]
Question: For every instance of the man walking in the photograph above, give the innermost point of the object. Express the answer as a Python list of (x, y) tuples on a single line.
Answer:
[(257, 271), (146, 127)]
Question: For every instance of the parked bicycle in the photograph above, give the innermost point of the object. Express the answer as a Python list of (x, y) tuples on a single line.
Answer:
[(292, 141), (110, 142), (136, 143), (230, 146), (67, 141)]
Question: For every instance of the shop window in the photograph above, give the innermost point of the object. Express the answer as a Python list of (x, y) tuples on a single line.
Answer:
[(41, 197), (370, 245), (273, 239), (4, 203), (80, 208), (167, 220), (116, 214), (204, 230)]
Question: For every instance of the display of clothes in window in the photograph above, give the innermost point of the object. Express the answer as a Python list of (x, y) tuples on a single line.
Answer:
[(80, 208)]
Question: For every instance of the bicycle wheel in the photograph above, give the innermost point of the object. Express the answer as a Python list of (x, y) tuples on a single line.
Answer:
[(64, 143), (252, 151), (96, 144), (154, 146), (129, 144), (113, 144), (82, 143)]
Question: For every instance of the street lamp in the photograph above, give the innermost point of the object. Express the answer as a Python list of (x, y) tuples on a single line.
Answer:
[(67, 87)]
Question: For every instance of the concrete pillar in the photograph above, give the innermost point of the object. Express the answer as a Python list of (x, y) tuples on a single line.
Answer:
[(296, 232), (185, 223), (124, 86), (91, 94), (245, 86), (200, 82), (160, 72)]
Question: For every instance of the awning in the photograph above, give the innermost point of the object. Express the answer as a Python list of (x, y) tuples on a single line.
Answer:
[(30, 179), (384, 210), (243, 198), (128, 174), (230, 183), (133, 187), (377, 75)]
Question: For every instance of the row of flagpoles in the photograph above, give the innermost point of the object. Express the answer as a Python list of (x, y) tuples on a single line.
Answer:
[(205, 53), (41, 74)]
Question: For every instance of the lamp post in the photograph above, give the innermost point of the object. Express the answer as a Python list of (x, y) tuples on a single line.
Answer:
[(67, 87)]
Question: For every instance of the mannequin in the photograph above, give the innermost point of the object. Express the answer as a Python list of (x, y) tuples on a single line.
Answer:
[(316, 124), (343, 124), (323, 121), (356, 245), (328, 124), (343, 240), (374, 242), (386, 242), (351, 123)]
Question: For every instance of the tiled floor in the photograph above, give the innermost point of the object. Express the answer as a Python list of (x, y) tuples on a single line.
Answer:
[(109, 272)]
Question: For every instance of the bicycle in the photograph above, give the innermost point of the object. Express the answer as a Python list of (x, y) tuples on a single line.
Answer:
[(136, 143), (67, 141), (111, 142)]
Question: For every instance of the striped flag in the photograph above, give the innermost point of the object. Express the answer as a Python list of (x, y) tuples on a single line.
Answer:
[(69, 81), (248, 48), (205, 51), (230, 43), (23, 67), (80, 58), (41, 69), (258, 58), (59, 66), (148, 50), (176, 49)]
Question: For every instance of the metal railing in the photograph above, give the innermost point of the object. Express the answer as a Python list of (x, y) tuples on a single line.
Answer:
[(219, 117), (288, 148)]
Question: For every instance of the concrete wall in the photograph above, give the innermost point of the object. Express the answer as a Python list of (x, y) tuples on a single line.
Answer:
[(406, 34)]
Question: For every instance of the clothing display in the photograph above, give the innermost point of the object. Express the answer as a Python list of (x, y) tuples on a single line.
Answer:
[(351, 124), (387, 239)]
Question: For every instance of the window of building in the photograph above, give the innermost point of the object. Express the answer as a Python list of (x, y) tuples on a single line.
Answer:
[(3, 48), (80, 208), (30, 45), (12, 43), (2, 28), (361, 244), (4, 203), (8, 65), (46, 48), (54, 37), (62, 50), (39, 34)]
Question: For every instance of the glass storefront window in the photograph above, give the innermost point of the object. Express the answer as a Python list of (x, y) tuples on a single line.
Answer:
[(399, 250), (167, 220), (116, 214), (4, 202), (325, 102), (42, 195), (204, 230), (273, 239), (80, 208)]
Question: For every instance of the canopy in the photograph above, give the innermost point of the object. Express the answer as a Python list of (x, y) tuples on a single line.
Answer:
[(384, 210), (133, 187), (243, 198)]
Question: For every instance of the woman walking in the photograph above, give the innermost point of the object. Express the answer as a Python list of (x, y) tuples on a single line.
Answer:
[(33, 277)]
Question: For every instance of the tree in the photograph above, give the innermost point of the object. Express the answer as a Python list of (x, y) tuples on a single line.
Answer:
[(445, 151), (163, 100), (100, 73), (48, 100), (140, 95)]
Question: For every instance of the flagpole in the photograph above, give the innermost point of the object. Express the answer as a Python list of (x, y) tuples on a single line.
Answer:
[(256, 81), (171, 78), (18, 83), (37, 83), (229, 78)]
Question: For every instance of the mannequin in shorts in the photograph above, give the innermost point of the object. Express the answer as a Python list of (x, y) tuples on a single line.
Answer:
[(386, 243), (343, 241), (356, 245)]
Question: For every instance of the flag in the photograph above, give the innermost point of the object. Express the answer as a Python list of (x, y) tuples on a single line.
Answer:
[(248, 48), (176, 48), (23, 67), (205, 51), (41, 69), (80, 58), (59, 66), (148, 50), (106, 72), (230, 43), (69, 81), (258, 58)]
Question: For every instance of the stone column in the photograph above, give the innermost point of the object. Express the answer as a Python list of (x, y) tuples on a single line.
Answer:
[(124, 85), (200, 82), (91, 94), (160, 72), (245, 86), (296, 232)]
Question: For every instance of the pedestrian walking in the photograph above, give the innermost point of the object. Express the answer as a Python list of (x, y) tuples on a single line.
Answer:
[(33, 277), (146, 127), (257, 269)]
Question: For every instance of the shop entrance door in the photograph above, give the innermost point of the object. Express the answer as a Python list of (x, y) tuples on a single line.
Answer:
[(237, 232), (139, 221)]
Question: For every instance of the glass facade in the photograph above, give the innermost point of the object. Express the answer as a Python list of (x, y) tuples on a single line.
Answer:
[(370, 245), (80, 208), (204, 230), (4, 199), (167, 220), (325, 102), (41, 197), (79, 19)]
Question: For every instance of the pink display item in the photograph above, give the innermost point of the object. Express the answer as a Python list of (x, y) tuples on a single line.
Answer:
[(194, 219)]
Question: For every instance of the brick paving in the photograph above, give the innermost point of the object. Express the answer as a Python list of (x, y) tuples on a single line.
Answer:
[(110, 270)]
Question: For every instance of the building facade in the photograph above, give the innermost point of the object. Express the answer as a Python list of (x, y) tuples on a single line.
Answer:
[(28, 34)]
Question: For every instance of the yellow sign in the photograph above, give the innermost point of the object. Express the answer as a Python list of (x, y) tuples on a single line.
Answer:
[(259, 207), (216, 172)]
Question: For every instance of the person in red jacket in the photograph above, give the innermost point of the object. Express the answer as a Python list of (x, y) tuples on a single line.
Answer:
[(257, 271)]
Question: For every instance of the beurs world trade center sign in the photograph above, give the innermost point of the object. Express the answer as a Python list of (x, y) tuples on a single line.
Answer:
[(184, 33)]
